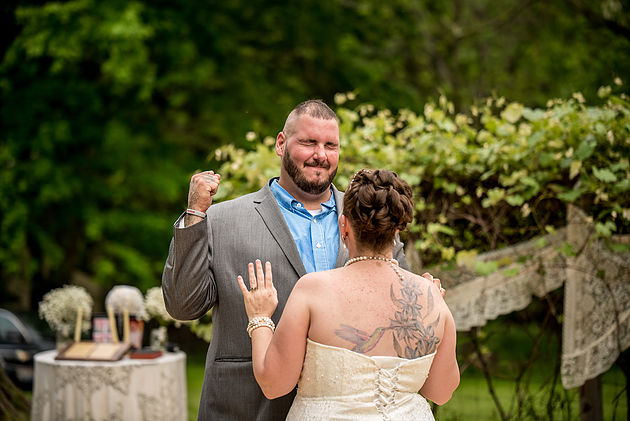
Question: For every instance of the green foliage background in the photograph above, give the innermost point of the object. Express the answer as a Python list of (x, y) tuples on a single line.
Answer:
[(109, 107), (500, 175)]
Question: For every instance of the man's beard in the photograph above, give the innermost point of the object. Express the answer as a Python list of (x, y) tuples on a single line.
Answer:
[(311, 187)]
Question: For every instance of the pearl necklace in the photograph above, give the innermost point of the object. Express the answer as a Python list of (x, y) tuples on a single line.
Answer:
[(392, 262)]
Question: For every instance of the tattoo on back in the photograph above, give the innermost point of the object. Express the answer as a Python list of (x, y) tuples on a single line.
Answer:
[(412, 337)]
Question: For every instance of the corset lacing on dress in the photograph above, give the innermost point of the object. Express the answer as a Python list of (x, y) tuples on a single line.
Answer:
[(385, 390)]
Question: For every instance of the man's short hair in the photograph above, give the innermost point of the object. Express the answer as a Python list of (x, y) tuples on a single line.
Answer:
[(315, 108)]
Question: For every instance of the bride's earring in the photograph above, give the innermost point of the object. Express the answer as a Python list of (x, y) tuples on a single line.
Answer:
[(343, 241)]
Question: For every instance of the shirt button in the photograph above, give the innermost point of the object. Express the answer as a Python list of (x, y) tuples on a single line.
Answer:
[(318, 245)]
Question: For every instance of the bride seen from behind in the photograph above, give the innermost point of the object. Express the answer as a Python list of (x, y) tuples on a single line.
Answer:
[(359, 341)]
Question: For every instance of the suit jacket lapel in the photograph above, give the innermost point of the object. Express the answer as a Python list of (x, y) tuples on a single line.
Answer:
[(342, 255), (267, 207)]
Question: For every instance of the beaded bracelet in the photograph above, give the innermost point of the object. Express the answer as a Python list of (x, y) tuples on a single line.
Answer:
[(196, 213), (260, 321)]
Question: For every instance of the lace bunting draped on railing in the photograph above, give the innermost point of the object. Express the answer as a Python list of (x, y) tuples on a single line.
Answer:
[(596, 324), (485, 298)]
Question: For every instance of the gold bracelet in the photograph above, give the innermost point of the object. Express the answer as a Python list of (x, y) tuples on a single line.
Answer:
[(260, 321)]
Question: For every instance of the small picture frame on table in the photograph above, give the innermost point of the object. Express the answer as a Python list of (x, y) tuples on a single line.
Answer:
[(136, 332), (101, 332)]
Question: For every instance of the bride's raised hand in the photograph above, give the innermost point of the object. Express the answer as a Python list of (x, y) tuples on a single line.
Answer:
[(262, 298)]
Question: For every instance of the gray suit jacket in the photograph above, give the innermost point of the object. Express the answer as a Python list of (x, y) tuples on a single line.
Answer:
[(200, 273)]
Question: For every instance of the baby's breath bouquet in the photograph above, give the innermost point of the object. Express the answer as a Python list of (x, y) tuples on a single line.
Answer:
[(126, 297), (59, 308), (155, 307)]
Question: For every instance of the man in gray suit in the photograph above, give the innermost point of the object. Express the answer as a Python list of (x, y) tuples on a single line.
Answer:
[(291, 222)]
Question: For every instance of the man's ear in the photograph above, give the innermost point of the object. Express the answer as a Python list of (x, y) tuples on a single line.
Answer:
[(281, 141)]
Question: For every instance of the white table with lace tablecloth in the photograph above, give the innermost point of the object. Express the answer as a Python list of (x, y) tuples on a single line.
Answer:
[(129, 389)]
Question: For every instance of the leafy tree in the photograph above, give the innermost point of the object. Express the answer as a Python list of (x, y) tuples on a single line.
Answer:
[(79, 188), (108, 107), (497, 176)]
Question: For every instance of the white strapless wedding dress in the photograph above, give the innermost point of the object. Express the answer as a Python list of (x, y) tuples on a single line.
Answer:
[(339, 384)]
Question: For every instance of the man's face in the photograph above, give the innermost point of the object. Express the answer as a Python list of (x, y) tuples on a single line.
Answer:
[(310, 153)]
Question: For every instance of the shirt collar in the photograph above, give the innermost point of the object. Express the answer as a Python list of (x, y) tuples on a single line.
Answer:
[(287, 201)]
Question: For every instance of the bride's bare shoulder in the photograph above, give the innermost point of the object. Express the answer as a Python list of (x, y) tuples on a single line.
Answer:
[(316, 280)]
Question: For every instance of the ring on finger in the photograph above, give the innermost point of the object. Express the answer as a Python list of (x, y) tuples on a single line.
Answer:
[(253, 289)]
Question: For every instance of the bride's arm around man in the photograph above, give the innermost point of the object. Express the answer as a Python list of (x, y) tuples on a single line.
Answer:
[(369, 328)]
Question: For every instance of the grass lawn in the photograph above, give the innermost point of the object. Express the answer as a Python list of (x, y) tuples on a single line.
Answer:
[(195, 366), (471, 400)]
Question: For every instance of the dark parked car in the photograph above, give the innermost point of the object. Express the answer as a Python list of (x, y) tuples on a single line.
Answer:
[(19, 342)]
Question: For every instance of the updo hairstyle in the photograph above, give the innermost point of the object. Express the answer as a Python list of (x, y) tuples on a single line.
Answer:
[(377, 203)]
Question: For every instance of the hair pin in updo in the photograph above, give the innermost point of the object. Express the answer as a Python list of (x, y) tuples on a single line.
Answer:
[(358, 173)]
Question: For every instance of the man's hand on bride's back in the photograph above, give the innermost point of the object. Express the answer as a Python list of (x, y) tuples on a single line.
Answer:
[(261, 299), (436, 281)]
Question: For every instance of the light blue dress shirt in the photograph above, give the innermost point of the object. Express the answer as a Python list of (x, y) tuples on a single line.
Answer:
[(316, 237)]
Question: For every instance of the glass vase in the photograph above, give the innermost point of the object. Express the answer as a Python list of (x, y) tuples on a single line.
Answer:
[(62, 340), (159, 337)]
